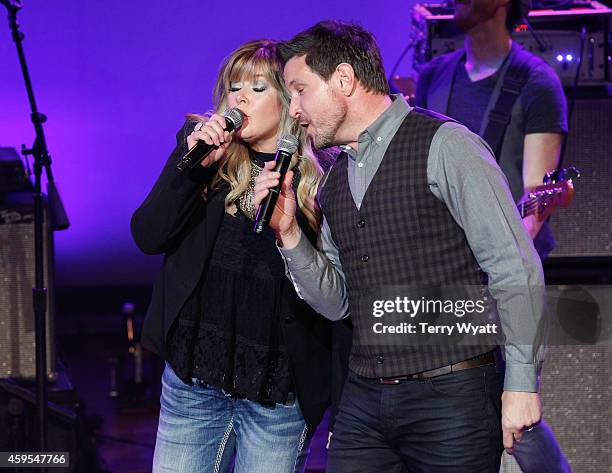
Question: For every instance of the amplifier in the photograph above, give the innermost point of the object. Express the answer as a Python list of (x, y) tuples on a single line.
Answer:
[(559, 32), (17, 335), (13, 176), (584, 229)]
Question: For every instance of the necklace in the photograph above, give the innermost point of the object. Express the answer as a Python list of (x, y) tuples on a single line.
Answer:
[(245, 201)]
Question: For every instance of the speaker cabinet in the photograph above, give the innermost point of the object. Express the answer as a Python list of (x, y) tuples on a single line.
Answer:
[(585, 228), (17, 334), (577, 398), (576, 384)]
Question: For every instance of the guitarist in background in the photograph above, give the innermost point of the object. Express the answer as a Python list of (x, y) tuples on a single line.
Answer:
[(515, 101), (524, 127)]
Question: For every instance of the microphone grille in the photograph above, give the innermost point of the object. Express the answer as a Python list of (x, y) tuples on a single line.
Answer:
[(288, 143), (235, 116)]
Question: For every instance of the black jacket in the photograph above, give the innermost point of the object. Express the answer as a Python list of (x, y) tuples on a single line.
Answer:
[(175, 220)]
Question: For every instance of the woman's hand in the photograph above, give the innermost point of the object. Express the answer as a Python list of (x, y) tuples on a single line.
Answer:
[(211, 132), (283, 221)]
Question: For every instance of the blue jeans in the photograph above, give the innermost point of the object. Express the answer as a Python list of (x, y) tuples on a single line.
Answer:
[(200, 428), (539, 451), (451, 423)]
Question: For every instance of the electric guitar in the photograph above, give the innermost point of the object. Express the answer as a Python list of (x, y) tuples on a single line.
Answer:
[(557, 191)]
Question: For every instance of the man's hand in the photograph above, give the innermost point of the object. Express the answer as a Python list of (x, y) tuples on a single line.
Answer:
[(520, 411), (283, 222)]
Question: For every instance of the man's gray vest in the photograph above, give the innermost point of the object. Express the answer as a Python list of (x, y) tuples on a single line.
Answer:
[(401, 235)]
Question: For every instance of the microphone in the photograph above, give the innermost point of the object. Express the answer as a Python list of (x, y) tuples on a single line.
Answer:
[(233, 121), (287, 145)]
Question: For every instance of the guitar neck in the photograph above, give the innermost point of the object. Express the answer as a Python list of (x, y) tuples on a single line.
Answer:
[(543, 200), (526, 208)]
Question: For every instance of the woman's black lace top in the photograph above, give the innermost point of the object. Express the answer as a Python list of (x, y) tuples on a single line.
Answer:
[(228, 333)]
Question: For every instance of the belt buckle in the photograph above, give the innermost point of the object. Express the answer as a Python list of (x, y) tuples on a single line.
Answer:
[(389, 381)]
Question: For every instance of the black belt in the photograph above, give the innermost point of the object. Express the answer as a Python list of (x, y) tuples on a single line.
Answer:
[(480, 360)]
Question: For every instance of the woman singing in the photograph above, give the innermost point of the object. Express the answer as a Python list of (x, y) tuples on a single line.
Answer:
[(247, 361)]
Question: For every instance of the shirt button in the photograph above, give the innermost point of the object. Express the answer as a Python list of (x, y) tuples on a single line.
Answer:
[(380, 359), (359, 165), (379, 138), (289, 260), (361, 223), (365, 258)]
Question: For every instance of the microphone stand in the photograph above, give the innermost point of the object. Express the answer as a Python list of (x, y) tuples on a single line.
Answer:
[(58, 221)]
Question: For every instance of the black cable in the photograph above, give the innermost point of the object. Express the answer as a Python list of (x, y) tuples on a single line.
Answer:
[(535, 36), (399, 60)]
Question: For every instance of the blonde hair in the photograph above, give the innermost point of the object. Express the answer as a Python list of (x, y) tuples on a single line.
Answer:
[(251, 59)]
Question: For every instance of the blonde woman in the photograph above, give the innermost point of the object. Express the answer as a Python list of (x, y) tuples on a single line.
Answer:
[(247, 361)]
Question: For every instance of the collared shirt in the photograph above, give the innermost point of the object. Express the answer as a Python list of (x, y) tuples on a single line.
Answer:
[(462, 173), (371, 147)]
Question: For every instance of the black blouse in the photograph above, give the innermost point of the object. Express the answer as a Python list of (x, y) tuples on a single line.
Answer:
[(227, 334)]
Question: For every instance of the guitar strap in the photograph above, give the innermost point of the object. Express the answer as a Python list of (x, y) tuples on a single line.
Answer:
[(513, 78)]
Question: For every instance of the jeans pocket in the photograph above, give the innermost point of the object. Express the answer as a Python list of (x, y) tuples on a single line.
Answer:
[(464, 383)]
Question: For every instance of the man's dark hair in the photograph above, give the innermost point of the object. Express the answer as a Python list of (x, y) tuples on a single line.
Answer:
[(329, 43), (517, 10)]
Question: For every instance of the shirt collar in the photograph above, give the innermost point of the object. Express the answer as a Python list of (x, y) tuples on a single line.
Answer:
[(383, 126)]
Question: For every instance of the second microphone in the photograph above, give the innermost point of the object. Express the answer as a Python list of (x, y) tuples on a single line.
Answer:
[(287, 146)]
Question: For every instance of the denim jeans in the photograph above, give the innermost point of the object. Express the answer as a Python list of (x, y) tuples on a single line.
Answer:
[(451, 423), (538, 451), (200, 428)]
